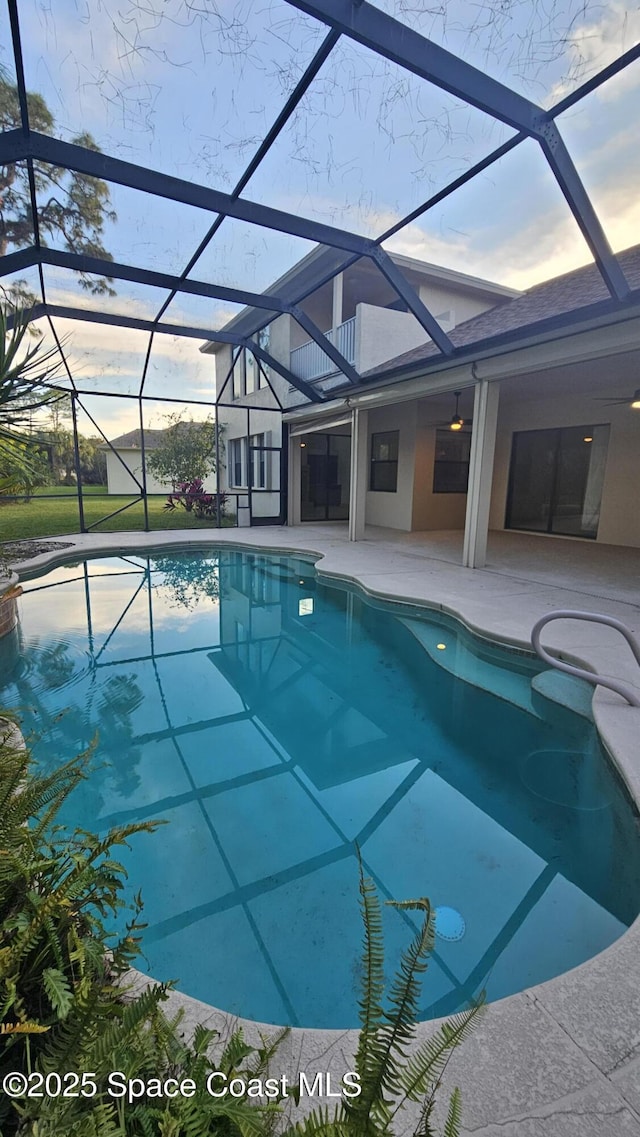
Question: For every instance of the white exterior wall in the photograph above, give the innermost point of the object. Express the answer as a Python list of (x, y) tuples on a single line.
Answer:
[(120, 481), (266, 420), (382, 334), (620, 513), (461, 305), (394, 510)]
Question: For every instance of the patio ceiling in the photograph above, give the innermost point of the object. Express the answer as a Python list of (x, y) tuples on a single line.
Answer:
[(213, 214)]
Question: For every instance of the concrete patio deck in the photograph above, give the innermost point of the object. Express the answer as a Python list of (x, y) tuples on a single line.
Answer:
[(561, 1059)]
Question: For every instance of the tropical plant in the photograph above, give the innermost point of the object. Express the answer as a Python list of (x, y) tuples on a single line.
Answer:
[(186, 451), (23, 467), (24, 372), (392, 1070), (192, 497)]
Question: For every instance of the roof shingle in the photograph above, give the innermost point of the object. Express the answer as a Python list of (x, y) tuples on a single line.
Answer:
[(563, 294)]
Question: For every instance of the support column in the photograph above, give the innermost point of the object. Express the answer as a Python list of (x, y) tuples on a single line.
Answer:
[(337, 301), (359, 462), (483, 442), (293, 494)]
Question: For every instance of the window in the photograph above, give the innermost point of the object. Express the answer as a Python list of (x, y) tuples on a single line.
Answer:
[(258, 462), (237, 463), (384, 461), (451, 461), (249, 456), (238, 376), (250, 374)]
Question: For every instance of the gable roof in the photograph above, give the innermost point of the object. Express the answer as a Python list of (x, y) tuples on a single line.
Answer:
[(556, 297), (131, 440), (152, 438), (314, 270)]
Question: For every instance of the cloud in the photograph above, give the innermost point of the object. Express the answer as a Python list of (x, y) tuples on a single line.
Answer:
[(594, 45), (546, 245)]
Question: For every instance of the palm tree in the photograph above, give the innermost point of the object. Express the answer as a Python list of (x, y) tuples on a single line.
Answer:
[(25, 372)]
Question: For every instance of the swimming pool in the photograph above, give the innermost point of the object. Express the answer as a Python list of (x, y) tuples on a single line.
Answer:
[(274, 718)]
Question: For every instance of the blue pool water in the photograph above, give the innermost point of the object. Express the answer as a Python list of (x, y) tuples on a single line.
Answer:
[(273, 720)]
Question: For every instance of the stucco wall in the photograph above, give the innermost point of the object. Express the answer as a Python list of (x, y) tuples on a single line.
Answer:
[(620, 514), (120, 481), (439, 510), (394, 510), (223, 357), (382, 333), (460, 304)]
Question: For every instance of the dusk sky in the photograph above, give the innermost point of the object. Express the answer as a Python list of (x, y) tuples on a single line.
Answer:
[(192, 91)]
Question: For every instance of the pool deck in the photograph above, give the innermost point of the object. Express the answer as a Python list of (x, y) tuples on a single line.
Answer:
[(561, 1059)]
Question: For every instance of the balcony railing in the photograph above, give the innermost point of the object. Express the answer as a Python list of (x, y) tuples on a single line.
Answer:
[(309, 361)]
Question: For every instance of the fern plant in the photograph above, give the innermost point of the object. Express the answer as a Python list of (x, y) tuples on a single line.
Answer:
[(63, 994), (393, 1071), (66, 1007)]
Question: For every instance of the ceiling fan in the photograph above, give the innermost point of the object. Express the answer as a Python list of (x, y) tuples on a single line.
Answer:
[(632, 401), (456, 422)]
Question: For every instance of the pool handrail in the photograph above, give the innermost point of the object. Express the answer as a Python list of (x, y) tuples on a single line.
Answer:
[(628, 693)]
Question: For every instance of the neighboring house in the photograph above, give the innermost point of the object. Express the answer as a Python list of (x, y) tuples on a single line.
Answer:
[(124, 463), (362, 316)]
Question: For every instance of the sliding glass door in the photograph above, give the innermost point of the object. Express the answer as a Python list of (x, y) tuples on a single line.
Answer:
[(324, 477), (556, 480)]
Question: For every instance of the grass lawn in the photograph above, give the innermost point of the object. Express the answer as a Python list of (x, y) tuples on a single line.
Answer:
[(48, 518), (69, 491)]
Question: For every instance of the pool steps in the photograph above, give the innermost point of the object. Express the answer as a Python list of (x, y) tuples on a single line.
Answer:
[(632, 696), (539, 696)]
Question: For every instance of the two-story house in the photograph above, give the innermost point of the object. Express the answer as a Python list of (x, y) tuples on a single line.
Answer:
[(365, 320)]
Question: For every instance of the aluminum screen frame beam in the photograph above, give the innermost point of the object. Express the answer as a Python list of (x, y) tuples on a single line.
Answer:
[(411, 298), (15, 146), (300, 89), (394, 40), (579, 202), (79, 262), (203, 334), (300, 384), (326, 345), (386, 36)]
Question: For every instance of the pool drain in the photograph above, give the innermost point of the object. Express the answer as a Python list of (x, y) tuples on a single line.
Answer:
[(450, 924)]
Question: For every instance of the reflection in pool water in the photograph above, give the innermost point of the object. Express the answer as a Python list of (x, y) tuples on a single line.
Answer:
[(275, 720)]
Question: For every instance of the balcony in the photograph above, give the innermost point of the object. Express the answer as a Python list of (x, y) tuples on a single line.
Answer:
[(371, 337), (309, 361)]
